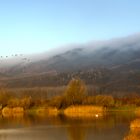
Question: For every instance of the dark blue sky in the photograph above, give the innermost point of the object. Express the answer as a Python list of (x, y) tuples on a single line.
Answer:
[(31, 26)]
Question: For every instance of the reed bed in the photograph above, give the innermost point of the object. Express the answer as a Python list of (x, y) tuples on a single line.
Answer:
[(84, 111), (132, 137), (16, 111), (134, 133), (50, 111), (135, 124)]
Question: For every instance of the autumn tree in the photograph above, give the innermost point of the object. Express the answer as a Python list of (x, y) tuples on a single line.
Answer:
[(76, 91)]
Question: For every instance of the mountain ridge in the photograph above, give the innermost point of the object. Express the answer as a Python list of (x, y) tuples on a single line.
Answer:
[(120, 57)]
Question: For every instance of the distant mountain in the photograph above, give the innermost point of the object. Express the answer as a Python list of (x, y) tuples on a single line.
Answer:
[(113, 65)]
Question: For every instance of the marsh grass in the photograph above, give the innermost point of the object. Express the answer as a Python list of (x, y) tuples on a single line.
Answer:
[(16, 111), (74, 101), (135, 124), (134, 133), (84, 111), (132, 137), (50, 111), (46, 111)]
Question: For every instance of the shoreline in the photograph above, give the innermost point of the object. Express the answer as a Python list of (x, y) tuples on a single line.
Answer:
[(71, 111)]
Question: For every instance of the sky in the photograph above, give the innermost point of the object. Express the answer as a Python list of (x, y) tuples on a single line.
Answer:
[(34, 26)]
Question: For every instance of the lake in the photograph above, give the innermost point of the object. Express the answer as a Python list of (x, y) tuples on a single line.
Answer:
[(111, 126)]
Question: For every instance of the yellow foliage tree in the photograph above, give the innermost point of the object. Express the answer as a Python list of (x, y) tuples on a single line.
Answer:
[(75, 92)]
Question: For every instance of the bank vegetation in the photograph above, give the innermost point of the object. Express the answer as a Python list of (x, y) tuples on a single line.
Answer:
[(74, 101)]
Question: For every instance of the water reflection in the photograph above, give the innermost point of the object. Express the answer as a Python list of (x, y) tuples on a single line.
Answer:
[(77, 133), (43, 127)]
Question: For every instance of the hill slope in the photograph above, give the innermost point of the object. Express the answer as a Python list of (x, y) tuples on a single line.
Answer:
[(112, 65)]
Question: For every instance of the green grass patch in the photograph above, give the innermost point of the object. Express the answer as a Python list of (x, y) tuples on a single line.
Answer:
[(123, 108)]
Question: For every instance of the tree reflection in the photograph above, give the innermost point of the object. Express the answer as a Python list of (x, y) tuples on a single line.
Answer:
[(77, 133)]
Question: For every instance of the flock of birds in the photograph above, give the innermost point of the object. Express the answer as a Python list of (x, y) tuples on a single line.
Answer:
[(17, 55)]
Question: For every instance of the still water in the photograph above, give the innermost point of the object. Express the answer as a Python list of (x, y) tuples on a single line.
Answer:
[(112, 126)]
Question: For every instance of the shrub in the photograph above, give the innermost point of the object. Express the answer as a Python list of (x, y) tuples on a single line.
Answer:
[(89, 100), (104, 100), (132, 137), (14, 102), (118, 102), (39, 102), (26, 102), (135, 124), (6, 111), (58, 102), (4, 97), (134, 134)]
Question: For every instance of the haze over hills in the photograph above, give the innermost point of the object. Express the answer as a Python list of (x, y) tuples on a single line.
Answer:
[(113, 65)]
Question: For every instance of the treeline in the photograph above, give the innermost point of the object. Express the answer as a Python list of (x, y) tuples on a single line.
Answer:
[(75, 93)]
